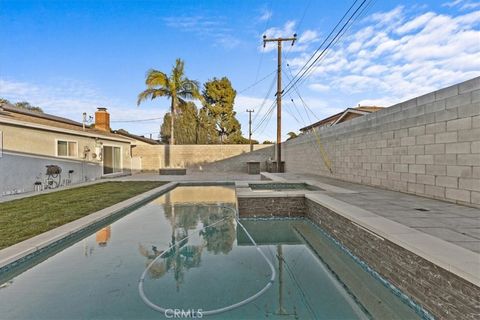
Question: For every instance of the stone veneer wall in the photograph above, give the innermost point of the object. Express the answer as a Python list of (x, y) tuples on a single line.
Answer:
[(221, 157), (429, 146), (271, 207), (442, 293)]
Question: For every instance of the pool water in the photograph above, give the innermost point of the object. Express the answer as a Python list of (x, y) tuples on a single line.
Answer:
[(97, 277)]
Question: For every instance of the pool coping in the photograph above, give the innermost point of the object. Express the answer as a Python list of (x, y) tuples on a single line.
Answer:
[(455, 259), (243, 189), (27, 247)]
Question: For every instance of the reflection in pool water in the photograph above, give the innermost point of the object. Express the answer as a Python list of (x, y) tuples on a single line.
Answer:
[(218, 238), (102, 236)]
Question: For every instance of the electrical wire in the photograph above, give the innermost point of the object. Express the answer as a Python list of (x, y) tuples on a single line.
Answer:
[(301, 73), (299, 25), (265, 119), (136, 120), (257, 82), (263, 50), (362, 13), (264, 100), (325, 40)]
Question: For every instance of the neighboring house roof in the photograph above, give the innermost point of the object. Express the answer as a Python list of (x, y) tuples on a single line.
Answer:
[(13, 115), (343, 116), (134, 136)]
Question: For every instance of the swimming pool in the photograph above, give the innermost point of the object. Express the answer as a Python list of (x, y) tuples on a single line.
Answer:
[(97, 277)]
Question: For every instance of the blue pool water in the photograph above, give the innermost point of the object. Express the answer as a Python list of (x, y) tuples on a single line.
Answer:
[(217, 266)]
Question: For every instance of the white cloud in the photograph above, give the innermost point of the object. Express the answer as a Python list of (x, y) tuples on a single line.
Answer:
[(266, 15), (379, 102), (389, 19), (420, 53), (319, 87), (213, 28), (462, 4), (243, 102), (303, 43), (415, 23), (70, 98)]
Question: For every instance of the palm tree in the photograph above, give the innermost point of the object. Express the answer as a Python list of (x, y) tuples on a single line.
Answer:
[(177, 87)]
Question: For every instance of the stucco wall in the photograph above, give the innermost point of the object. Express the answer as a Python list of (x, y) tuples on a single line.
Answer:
[(18, 172), (27, 151), (201, 157), (429, 145)]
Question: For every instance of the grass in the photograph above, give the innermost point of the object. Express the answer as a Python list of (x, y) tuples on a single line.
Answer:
[(24, 218)]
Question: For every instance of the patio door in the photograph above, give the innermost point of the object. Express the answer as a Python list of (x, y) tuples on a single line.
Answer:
[(112, 162)]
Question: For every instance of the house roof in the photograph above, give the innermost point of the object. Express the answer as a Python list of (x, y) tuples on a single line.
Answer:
[(336, 118), (134, 136), (10, 113)]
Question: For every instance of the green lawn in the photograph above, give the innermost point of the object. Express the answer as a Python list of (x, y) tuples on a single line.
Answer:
[(24, 218)]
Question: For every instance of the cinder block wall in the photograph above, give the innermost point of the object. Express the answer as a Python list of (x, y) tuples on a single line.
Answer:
[(429, 145), (223, 157)]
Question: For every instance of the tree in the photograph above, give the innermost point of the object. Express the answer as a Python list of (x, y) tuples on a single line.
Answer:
[(267, 142), (177, 87), (239, 139), (22, 105), (27, 106), (192, 126), (291, 135), (219, 96)]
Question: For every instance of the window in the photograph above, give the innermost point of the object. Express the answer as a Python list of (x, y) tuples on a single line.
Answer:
[(112, 160), (67, 148)]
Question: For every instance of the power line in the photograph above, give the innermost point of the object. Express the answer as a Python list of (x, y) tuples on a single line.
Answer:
[(263, 51), (137, 120), (257, 82), (327, 47), (297, 91), (265, 99), (305, 68), (279, 41), (325, 40), (264, 120), (362, 13), (299, 24)]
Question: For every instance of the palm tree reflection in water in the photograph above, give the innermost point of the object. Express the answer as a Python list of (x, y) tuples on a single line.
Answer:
[(217, 239)]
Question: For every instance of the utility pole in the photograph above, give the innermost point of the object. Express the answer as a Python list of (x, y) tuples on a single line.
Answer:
[(250, 128), (279, 93)]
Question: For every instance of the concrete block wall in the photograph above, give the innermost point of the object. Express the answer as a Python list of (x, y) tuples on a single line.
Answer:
[(428, 145), (223, 157)]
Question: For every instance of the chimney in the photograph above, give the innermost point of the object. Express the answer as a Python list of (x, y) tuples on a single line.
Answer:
[(102, 119)]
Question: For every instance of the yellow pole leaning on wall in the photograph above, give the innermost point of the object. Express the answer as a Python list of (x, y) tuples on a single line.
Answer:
[(323, 153)]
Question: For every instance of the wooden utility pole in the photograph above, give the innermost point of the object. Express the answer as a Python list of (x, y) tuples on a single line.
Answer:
[(250, 128), (279, 93)]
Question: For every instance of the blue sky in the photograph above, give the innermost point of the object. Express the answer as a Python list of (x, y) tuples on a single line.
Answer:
[(73, 56)]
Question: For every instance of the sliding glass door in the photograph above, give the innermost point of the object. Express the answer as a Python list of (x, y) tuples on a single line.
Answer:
[(112, 162)]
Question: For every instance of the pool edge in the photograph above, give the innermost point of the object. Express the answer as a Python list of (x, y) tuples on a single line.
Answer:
[(27, 249)]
